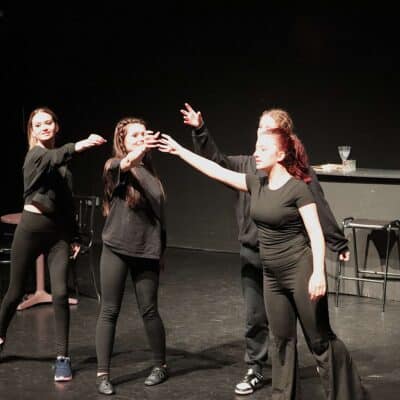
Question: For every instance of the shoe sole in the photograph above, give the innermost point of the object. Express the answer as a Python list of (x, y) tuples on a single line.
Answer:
[(244, 393), (62, 378)]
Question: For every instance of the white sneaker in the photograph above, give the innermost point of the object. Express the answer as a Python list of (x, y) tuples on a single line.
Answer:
[(250, 383)]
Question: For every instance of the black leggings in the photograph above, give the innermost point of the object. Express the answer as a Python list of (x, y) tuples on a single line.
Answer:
[(287, 300), (38, 234), (145, 276)]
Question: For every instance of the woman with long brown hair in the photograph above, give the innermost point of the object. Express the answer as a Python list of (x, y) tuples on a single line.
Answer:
[(134, 241), (292, 252), (47, 226)]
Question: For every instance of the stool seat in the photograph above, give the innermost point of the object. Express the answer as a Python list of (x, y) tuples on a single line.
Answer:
[(391, 229)]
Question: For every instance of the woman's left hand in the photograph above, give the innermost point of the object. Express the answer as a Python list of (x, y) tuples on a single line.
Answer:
[(75, 249), (317, 286)]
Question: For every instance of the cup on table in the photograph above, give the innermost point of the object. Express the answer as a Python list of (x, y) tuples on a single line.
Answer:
[(349, 165)]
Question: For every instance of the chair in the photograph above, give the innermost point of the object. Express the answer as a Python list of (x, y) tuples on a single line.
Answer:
[(8, 223), (85, 207), (383, 234)]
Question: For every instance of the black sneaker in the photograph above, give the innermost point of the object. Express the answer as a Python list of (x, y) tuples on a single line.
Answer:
[(157, 375), (104, 386), (250, 383), (62, 369)]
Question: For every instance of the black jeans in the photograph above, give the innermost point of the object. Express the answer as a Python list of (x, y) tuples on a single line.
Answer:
[(288, 301), (257, 330), (145, 276), (38, 234)]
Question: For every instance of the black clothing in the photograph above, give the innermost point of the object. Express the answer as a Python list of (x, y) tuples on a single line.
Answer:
[(138, 232), (204, 144), (281, 231), (48, 183), (256, 333), (256, 330), (288, 264), (48, 186), (134, 241), (144, 272), (37, 234)]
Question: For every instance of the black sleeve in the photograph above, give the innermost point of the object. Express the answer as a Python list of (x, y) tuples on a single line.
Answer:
[(303, 195), (334, 236), (113, 174), (205, 145), (52, 158)]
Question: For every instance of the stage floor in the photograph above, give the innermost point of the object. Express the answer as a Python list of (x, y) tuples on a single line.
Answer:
[(202, 308)]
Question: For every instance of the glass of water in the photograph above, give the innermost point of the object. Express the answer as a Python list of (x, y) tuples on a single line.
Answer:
[(344, 152)]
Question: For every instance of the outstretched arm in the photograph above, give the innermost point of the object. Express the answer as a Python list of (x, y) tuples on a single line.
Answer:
[(207, 167)]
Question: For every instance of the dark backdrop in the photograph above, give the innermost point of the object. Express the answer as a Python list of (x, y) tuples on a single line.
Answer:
[(336, 74)]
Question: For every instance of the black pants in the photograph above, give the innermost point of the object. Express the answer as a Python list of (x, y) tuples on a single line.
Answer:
[(256, 330), (38, 234), (288, 301), (145, 276)]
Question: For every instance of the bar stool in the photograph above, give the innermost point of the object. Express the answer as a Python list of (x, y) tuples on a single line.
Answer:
[(364, 274)]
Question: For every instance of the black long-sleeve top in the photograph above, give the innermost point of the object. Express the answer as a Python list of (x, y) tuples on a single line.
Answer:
[(48, 184), (137, 231), (205, 145)]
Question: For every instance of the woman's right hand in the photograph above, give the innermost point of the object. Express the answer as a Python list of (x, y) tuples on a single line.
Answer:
[(191, 117), (168, 145), (91, 141)]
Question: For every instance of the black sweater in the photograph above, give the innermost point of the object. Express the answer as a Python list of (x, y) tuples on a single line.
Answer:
[(205, 145), (48, 184), (137, 231)]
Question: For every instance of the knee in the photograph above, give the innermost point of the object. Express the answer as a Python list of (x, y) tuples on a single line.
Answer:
[(109, 312), (148, 311)]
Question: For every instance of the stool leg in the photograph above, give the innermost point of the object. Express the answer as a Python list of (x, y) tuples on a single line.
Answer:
[(356, 267), (389, 230), (365, 261)]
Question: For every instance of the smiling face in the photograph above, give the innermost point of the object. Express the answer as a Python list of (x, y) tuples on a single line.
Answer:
[(43, 129), (134, 136), (267, 153)]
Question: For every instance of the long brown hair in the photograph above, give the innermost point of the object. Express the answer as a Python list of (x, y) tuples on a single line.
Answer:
[(132, 195), (296, 158), (31, 140)]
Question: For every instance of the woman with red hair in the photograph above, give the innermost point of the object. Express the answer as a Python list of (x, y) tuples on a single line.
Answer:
[(292, 251)]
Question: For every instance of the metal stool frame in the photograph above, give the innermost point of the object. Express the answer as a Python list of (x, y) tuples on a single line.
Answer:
[(363, 274)]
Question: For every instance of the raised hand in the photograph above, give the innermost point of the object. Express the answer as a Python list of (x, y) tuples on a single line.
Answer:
[(168, 145), (151, 140), (91, 141), (191, 117)]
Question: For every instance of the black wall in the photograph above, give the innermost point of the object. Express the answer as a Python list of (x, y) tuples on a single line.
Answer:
[(336, 74)]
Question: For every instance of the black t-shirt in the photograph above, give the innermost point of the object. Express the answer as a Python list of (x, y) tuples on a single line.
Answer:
[(281, 231), (137, 231)]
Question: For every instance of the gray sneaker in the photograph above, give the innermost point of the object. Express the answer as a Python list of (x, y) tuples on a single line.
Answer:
[(250, 383)]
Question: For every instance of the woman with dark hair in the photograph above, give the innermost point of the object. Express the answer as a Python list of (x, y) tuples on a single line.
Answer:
[(47, 226), (292, 252), (134, 241)]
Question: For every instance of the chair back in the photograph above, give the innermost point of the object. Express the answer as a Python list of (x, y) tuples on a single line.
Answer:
[(85, 206)]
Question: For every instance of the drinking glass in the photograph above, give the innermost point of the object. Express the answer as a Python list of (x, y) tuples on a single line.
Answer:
[(344, 152)]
